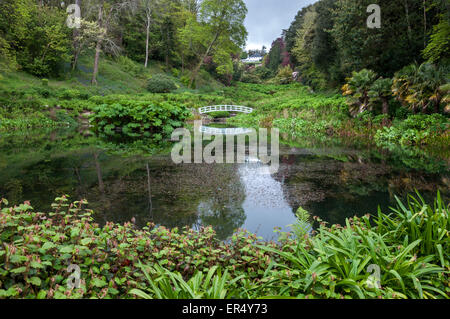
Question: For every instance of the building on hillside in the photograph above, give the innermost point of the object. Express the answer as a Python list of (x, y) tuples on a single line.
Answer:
[(253, 59)]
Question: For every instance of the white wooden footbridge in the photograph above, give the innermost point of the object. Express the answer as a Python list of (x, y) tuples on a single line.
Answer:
[(225, 108)]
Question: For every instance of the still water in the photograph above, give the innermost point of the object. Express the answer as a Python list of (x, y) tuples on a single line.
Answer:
[(329, 179)]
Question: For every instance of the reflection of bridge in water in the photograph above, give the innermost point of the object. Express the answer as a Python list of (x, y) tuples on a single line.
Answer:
[(225, 108), (225, 131)]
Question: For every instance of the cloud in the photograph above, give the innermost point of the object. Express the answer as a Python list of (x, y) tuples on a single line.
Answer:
[(267, 18)]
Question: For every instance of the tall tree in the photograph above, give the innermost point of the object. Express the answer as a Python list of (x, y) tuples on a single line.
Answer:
[(149, 7), (275, 56), (397, 43), (106, 13), (219, 28), (302, 47)]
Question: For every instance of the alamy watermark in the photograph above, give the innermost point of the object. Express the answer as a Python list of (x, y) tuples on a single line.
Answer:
[(374, 20), (74, 280), (73, 20), (374, 280), (256, 150)]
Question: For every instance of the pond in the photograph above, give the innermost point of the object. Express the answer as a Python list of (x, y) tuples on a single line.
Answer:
[(330, 179)]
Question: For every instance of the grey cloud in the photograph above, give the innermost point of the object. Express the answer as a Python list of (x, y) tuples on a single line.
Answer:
[(267, 18)]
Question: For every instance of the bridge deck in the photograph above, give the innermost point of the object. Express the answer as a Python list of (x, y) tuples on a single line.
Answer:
[(226, 108)]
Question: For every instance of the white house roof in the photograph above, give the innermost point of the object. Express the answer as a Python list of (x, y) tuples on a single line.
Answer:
[(253, 59)]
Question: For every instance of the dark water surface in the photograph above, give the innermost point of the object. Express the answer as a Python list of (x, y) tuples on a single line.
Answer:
[(329, 180)]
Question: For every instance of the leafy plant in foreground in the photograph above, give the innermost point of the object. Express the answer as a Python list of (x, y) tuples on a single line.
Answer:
[(410, 246)]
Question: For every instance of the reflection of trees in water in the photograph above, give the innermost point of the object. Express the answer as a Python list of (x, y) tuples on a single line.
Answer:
[(335, 189), (162, 192), (212, 194), (329, 182), (224, 211)]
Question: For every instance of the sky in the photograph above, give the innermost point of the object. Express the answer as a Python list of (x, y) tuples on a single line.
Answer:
[(267, 18)]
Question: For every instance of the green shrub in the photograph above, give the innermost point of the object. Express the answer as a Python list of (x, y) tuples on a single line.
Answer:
[(69, 94), (44, 92), (263, 72), (221, 114), (25, 121), (284, 75), (415, 130), (185, 80), (136, 118), (248, 77), (161, 83), (299, 127), (175, 72), (130, 66)]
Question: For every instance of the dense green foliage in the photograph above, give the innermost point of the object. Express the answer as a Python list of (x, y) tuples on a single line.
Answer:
[(160, 83), (370, 104), (415, 130), (331, 38), (136, 118), (220, 114), (410, 246), (34, 36)]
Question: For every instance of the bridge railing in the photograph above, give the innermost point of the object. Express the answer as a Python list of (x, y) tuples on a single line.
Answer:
[(226, 108)]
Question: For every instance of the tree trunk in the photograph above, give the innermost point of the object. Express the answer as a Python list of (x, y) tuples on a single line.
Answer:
[(75, 60), (96, 60), (363, 103), (407, 21), (195, 72), (147, 39), (150, 204), (424, 24), (437, 102), (167, 49), (199, 65), (167, 61), (385, 110), (98, 169), (97, 48), (75, 43), (182, 62)]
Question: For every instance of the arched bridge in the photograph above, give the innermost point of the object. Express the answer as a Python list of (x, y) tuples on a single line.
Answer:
[(226, 108)]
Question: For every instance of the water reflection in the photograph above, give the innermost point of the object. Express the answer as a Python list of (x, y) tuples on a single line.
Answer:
[(331, 182), (265, 204), (234, 131)]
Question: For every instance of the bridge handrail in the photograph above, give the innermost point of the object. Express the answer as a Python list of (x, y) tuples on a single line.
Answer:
[(226, 108)]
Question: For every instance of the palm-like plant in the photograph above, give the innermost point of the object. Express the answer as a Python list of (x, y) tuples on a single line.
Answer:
[(432, 78), (445, 89), (357, 88), (381, 91), (402, 86), (418, 87)]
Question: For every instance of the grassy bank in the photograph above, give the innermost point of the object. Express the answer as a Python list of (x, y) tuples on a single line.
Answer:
[(410, 246), (27, 101)]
